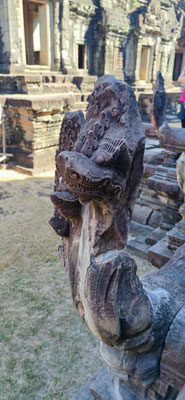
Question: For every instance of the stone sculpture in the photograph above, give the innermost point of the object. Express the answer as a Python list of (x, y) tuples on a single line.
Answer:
[(164, 181), (176, 237), (170, 138), (98, 171)]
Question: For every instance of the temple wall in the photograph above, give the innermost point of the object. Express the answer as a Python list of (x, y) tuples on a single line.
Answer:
[(11, 37), (97, 37), (77, 41), (4, 38)]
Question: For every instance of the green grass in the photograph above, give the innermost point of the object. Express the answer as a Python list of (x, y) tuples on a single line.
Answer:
[(46, 350)]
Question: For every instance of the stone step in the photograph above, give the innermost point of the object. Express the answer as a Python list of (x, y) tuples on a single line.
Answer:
[(159, 254), (139, 246), (137, 236), (86, 79), (85, 96), (59, 88), (138, 229), (173, 119), (18, 168), (159, 183), (43, 101), (57, 78), (85, 84), (176, 238), (154, 236), (79, 106), (141, 214), (85, 393), (35, 82)]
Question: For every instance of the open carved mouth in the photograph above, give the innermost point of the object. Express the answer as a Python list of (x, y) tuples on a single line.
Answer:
[(90, 193), (85, 194), (80, 188), (86, 180)]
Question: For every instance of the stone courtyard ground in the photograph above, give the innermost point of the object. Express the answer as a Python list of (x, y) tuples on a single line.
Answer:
[(46, 350)]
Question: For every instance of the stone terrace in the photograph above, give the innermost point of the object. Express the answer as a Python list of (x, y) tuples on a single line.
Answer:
[(34, 106)]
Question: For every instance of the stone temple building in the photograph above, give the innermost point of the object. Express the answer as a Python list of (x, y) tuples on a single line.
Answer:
[(51, 52)]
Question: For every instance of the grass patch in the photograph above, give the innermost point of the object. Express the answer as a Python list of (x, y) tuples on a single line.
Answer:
[(46, 350)]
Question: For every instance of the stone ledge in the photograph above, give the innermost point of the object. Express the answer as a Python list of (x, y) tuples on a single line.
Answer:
[(37, 102), (159, 254), (162, 185)]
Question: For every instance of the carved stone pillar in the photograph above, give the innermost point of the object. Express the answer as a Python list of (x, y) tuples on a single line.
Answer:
[(138, 59), (130, 51), (56, 33), (108, 54), (12, 58), (157, 57), (171, 63), (66, 63)]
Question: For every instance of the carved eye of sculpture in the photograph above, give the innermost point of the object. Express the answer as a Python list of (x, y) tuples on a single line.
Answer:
[(73, 175)]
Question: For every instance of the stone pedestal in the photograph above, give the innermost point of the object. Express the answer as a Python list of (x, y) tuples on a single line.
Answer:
[(176, 237), (163, 250), (147, 214), (34, 106), (104, 386), (32, 125), (164, 183), (158, 203)]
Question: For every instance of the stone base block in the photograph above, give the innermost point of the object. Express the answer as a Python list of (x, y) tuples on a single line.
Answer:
[(141, 214), (44, 159), (103, 386), (137, 242), (106, 387), (85, 393), (163, 185), (139, 229), (160, 254), (154, 236), (139, 246), (175, 238), (41, 160), (32, 127)]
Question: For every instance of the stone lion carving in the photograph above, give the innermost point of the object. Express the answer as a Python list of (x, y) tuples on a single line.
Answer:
[(99, 167)]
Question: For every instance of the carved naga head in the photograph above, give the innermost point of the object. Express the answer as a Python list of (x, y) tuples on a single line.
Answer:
[(105, 165), (101, 163)]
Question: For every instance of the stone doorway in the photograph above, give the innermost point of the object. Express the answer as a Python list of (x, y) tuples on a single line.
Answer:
[(37, 32), (177, 65), (145, 64), (82, 57)]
